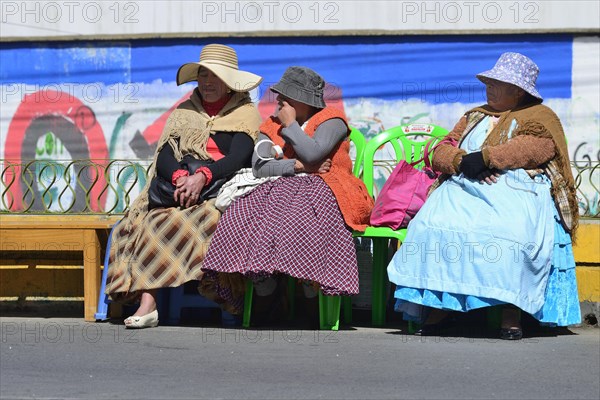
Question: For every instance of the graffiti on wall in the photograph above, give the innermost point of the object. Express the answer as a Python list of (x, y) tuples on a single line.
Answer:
[(47, 137), (108, 105)]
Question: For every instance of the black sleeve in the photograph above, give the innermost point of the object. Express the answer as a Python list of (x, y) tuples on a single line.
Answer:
[(237, 156), (166, 163)]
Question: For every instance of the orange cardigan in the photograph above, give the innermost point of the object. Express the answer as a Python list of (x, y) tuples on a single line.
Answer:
[(349, 191)]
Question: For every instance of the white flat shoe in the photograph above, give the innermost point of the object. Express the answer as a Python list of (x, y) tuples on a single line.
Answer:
[(145, 321)]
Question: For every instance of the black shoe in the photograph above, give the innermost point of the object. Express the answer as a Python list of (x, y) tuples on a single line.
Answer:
[(435, 329), (511, 334), (271, 309)]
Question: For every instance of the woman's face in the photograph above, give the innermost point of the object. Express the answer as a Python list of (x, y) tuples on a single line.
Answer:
[(303, 111), (502, 96), (211, 88)]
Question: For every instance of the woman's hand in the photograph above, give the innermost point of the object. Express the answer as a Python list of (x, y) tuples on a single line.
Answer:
[(321, 168), (286, 114), (324, 167), (472, 165), (489, 176), (188, 188)]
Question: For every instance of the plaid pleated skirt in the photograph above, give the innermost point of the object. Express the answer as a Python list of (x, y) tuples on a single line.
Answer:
[(165, 250), (291, 225)]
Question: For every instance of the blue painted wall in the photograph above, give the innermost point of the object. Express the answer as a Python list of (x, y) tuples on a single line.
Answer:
[(435, 69)]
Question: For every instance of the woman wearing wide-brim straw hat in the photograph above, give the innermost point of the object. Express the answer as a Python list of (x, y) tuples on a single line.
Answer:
[(165, 246), (301, 223), (221, 61), (497, 227)]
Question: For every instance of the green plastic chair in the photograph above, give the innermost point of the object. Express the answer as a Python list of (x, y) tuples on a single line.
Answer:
[(329, 306), (359, 141), (405, 149)]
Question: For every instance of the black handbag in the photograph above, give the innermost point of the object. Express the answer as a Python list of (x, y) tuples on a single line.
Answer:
[(161, 192)]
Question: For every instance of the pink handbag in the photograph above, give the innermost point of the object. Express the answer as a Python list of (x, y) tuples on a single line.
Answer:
[(404, 192)]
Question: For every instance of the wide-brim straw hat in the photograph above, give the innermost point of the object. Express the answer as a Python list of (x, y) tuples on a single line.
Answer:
[(302, 84), (516, 69), (223, 62)]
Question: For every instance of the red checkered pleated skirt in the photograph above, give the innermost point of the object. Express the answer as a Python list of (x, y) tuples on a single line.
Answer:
[(291, 225)]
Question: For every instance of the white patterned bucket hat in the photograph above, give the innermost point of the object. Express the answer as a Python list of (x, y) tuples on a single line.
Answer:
[(516, 69)]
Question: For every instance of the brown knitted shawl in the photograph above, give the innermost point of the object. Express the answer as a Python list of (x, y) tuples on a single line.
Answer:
[(536, 120)]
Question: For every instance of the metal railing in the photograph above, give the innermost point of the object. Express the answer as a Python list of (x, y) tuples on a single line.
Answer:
[(586, 175), (73, 186), (110, 186)]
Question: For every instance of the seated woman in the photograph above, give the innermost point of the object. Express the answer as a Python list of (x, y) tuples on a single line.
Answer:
[(299, 224), (497, 227), (164, 247)]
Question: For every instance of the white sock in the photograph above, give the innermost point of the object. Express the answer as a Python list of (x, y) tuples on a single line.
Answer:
[(309, 290), (265, 286)]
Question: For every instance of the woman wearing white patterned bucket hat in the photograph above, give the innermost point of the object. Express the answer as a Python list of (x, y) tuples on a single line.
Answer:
[(501, 217)]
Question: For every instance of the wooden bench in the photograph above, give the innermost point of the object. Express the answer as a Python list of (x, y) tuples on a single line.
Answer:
[(62, 232)]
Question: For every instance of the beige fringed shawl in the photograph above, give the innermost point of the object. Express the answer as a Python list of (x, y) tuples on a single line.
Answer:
[(540, 121), (191, 126)]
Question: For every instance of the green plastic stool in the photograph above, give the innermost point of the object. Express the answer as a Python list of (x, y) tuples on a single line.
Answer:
[(406, 149), (329, 312), (413, 327), (329, 307), (248, 301), (494, 317), (247, 304)]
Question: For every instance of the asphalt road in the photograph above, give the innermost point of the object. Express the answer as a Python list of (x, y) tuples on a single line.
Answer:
[(66, 358)]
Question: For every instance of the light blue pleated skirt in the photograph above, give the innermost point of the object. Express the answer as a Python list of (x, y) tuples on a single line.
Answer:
[(475, 245), (561, 300)]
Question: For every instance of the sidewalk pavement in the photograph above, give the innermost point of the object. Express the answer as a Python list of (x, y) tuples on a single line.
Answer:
[(66, 358)]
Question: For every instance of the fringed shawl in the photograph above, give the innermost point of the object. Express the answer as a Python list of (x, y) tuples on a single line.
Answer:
[(187, 131)]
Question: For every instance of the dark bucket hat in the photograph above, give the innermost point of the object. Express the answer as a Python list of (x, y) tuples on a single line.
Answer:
[(301, 84)]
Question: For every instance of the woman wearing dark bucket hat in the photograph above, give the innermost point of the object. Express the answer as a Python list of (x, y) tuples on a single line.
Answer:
[(497, 226), (300, 223), (165, 246)]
